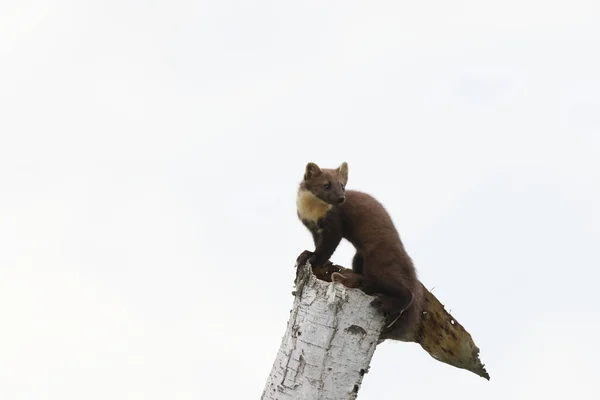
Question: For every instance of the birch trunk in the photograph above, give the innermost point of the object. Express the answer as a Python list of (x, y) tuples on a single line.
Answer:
[(328, 345)]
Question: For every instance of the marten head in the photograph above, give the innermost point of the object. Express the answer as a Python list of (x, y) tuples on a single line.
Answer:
[(328, 185), (348, 278)]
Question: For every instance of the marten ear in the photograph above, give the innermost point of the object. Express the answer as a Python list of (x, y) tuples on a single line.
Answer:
[(343, 171), (312, 170)]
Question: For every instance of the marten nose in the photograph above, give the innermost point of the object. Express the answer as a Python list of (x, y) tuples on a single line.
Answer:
[(341, 199)]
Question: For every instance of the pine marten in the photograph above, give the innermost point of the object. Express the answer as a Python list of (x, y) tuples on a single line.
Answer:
[(381, 266)]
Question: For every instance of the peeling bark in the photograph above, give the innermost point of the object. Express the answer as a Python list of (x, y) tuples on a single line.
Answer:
[(330, 339)]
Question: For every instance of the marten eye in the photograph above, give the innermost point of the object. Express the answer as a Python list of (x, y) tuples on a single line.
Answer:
[(343, 187), (327, 186)]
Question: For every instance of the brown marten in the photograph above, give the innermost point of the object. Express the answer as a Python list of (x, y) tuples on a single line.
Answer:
[(381, 266)]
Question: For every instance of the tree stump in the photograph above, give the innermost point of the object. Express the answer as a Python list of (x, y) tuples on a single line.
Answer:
[(333, 332)]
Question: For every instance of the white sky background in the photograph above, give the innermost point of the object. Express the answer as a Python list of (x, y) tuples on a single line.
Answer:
[(149, 159)]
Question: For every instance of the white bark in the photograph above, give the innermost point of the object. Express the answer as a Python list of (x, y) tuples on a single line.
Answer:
[(328, 345)]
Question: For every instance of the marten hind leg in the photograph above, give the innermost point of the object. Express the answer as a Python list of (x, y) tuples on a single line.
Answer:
[(394, 296), (358, 263)]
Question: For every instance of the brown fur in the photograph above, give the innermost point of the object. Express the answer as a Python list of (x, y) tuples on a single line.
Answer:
[(381, 266)]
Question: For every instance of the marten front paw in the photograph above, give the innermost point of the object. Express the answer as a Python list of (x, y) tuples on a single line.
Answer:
[(305, 256)]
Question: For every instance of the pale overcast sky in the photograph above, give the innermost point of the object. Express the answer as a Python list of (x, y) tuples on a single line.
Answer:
[(149, 159)]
